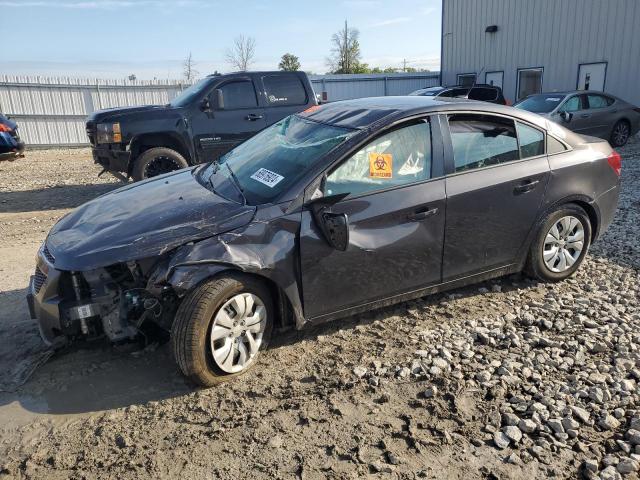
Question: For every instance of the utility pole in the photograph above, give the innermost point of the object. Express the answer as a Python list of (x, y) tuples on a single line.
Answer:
[(404, 65), (346, 48)]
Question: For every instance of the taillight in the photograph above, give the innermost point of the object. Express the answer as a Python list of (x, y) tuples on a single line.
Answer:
[(615, 162), (4, 128)]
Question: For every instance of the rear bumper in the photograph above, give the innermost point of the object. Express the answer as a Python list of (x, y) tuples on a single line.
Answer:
[(112, 157), (607, 203)]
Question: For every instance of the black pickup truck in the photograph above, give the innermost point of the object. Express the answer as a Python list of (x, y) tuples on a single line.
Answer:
[(201, 124)]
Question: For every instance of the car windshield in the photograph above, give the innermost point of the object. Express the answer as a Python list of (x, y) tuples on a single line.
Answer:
[(540, 103), (194, 91), (270, 162)]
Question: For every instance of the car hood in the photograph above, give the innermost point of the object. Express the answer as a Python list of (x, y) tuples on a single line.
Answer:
[(142, 220), (120, 113)]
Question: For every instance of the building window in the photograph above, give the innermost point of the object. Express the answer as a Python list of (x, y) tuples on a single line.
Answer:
[(466, 79), (529, 82)]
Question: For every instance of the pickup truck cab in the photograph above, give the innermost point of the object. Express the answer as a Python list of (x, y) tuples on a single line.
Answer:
[(200, 125)]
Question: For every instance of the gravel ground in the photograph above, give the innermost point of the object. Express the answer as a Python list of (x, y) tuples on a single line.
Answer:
[(506, 379)]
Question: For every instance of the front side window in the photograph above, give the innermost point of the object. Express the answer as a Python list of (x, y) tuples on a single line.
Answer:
[(239, 94), (284, 90), (399, 157), (269, 163), (573, 104), (529, 82), (482, 140), (531, 141)]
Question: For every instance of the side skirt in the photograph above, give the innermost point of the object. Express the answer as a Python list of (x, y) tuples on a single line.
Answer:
[(403, 297)]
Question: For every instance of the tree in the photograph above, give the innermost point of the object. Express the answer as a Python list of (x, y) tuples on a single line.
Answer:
[(345, 53), (289, 63), (188, 69), (241, 54)]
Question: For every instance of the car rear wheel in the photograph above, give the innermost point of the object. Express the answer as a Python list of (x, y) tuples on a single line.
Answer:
[(560, 245), (157, 161), (220, 329), (620, 133)]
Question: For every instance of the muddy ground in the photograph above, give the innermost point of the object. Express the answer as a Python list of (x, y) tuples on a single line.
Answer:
[(507, 379)]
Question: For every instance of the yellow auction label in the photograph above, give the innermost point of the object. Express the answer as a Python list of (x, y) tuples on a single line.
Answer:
[(380, 165)]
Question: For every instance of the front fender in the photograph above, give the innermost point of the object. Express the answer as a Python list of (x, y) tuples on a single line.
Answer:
[(265, 249)]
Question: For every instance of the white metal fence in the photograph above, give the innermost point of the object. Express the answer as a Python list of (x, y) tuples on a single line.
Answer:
[(52, 111)]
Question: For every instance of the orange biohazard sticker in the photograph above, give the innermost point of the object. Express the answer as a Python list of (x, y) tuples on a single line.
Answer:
[(380, 165)]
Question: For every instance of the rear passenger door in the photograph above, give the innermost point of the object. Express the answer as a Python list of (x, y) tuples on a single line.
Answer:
[(601, 115), (495, 186), (284, 94)]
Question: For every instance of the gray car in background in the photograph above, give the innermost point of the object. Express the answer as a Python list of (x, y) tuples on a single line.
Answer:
[(588, 113)]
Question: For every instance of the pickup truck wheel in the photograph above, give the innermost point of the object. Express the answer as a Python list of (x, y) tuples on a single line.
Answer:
[(156, 161), (560, 245), (220, 329)]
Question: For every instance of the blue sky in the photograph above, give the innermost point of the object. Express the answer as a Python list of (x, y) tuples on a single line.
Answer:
[(151, 38)]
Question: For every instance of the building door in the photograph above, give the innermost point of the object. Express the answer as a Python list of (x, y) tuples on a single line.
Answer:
[(494, 78), (529, 82), (591, 76)]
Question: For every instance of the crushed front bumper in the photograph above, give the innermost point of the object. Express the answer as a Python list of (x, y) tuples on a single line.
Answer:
[(112, 157)]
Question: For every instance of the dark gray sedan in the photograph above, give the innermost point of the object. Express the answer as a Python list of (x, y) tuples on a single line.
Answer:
[(588, 113), (336, 210)]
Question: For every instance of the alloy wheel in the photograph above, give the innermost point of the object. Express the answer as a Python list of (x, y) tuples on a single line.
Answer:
[(237, 331), (159, 165), (621, 133), (563, 244)]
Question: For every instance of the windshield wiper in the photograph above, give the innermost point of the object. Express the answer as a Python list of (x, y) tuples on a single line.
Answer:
[(236, 182)]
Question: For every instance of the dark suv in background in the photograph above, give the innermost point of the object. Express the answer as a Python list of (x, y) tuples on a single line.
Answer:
[(200, 125), (482, 92)]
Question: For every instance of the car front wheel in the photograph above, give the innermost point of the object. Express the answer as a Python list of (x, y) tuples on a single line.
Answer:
[(560, 245), (220, 329)]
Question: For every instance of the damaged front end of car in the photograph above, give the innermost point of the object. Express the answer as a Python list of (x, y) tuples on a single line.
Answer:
[(113, 302)]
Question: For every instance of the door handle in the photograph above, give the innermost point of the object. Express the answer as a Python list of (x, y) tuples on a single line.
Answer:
[(252, 117), (526, 186), (422, 214), (585, 115)]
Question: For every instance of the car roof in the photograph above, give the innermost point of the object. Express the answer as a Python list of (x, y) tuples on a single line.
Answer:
[(372, 112)]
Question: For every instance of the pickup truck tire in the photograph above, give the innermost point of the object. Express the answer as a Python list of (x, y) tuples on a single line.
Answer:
[(156, 161), (209, 327)]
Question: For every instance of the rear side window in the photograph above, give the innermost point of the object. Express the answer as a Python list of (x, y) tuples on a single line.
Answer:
[(399, 157), (482, 140), (284, 90), (597, 101), (554, 145), (454, 92), (484, 94), (239, 94), (531, 141)]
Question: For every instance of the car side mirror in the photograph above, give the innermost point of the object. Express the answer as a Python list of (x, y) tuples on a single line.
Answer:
[(566, 116), (334, 226), (219, 99)]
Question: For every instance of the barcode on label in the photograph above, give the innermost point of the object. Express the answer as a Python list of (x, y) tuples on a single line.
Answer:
[(269, 178)]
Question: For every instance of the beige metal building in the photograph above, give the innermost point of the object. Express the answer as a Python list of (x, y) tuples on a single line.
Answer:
[(530, 46)]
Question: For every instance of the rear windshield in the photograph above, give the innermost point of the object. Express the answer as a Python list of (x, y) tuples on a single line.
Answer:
[(540, 103)]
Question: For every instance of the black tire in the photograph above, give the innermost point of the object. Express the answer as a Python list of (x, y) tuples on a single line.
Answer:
[(536, 266), (194, 320), (156, 161), (620, 134)]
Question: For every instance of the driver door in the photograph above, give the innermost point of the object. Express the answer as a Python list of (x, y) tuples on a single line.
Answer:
[(395, 210), (233, 117)]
